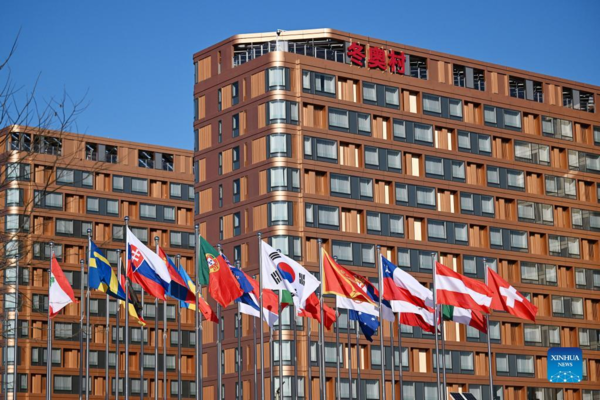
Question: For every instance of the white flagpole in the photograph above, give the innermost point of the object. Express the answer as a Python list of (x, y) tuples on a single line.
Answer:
[(357, 361), (254, 358), (156, 239), (262, 333), (338, 386), (489, 342), (271, 348), (198, 318), (219, 346), (400, 352), (393, 347), (81, 317), (126, 387), (321, 333), (107, 351), (118, 329), (87, 324), (381, 332), (142, 350), (295, 353), (279, 320), (49, 350), (443, 333), (16, 332), (348, 326), (435, 317), (239, 394), (308, 356), (178, 263), (164, 350)]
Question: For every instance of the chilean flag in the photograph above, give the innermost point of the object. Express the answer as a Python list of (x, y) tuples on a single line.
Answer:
[(146, 268)]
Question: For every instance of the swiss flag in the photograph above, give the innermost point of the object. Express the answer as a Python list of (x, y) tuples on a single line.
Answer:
[(506, 298)]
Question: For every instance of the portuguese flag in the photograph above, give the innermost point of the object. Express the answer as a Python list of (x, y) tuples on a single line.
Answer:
[(222, 284), (202, 265)]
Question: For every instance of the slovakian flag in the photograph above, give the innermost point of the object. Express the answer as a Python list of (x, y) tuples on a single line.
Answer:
[(101, 275), (506, 298), (60, 292), (312, 310), (279, 272), (222, 285), (178, 288), (146, 268), (454, 289), (135, 307), (205, 309), (463, 316)]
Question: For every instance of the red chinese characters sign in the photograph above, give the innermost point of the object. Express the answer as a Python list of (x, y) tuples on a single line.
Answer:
[(378, 59)]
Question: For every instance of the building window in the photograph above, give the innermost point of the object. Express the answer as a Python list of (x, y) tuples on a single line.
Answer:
[(280, 213), (476, 204), (282, 112), (321, 216), (277, 78), (557, 128), (283, 178), (148, 211), (350, 121), (318, 83), (535, 212), (279, 145), (560, 187), (320, 149), (139, 185), (476, 143), (563, 246)]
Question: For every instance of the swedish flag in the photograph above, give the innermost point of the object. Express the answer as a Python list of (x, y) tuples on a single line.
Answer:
[(101, 275)]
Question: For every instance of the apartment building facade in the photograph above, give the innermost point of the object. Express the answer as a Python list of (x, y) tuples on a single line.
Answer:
[(321, 134), (56, 186)]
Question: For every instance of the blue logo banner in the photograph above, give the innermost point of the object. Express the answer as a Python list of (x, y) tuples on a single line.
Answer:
[(565, 364)]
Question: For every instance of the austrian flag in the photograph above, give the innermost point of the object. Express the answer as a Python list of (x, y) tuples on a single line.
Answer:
[(506, 298), (453, 289)]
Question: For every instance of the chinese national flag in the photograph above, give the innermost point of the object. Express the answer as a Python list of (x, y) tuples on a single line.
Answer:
[(313, 310), (506, 298), (222, 284)]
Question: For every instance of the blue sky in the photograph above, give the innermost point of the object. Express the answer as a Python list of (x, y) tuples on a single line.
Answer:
[(133, 59)]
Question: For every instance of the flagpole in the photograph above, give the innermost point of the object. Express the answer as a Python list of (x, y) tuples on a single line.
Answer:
[(164, 350), (357, 364), (142, 349), (255, 361), (239, 344), (178, 263), (443, 334), (279, 320), (489, 342), (16, 332), (198, 319), (308, 355), (87, 326), (321, 349), (49, 350), (337, 346), (262, 333), (81, 317), (381, 349), (400, 352), (393, 360), (435, 324), (126, 387), (271, 348), (219, 347), (295, 353), (337, 352), (118, 329), (156, 307), (106, 351), (349, 352)]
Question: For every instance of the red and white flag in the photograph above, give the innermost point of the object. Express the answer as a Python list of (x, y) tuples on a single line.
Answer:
[(506, 298), (454, 289), (60, 293)]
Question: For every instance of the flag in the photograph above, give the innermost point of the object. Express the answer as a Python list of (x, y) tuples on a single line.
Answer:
[(202, 267), (178, 288), (280, 272), (368, 323), (312, 310), (101, 275), (421, 317), (60, 292), (401, 287), (222, 285), (135, 307), (205, 309), (506, 298), (465, 317), (454, 289), (146, 268), (345, 284)]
